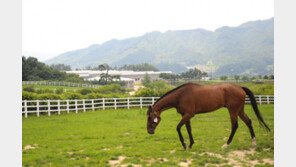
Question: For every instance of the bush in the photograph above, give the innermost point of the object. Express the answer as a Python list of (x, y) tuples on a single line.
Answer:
[(108, 89), (84, 91), (29, 95), (144, 92), (59, 91), (29, 88), (49, 96), (72, 95)]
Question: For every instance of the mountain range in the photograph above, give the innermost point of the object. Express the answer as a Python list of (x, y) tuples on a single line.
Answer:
[(247, 49)]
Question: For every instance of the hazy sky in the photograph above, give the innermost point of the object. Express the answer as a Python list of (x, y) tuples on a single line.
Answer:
[(51, 27)]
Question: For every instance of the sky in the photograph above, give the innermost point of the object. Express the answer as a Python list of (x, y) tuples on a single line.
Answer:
[(52, 27)]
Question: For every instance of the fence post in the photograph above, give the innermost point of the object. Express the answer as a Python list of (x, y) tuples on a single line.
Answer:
[(48, 107), (68, 106), (103, 103), (267, 99), (76, 107), (59, 107), (141, 106), (92, 104), (26, 109), (115, 107), (37, 108), (83, 101), (260, 99), (152, 100), (128, 103)]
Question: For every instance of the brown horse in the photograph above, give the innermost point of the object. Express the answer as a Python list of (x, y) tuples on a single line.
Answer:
[(190, 99)]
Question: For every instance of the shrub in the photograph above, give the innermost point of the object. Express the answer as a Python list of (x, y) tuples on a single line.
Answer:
[(72, 95), (49, 96), (59, 91), (144, 92), (108, 89), (84, 91), (29, 95), (29, 88)]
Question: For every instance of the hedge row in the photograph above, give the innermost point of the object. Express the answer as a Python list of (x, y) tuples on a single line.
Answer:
[(108, 91)]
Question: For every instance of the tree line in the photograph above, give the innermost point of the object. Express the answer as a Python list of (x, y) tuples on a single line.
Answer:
[(33, 70), (195, 74), (129, 67)]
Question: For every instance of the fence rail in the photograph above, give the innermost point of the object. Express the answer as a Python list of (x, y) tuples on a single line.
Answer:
[(58, 106), (59, 84)]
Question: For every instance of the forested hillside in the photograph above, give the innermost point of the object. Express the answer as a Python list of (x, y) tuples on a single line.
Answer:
[(245, 50)]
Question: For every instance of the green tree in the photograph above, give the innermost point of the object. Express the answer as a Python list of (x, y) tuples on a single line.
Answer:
[(105, 76), (61, 67), (245, 78), (223, 77), (193, 74), (236, 78), (252, 78), (33, 70), (147, 80), (265, 77)]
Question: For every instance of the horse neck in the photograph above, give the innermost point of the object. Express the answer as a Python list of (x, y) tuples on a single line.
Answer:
[(167, 102)]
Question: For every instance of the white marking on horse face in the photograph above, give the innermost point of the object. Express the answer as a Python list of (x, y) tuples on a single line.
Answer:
[(155, 120)]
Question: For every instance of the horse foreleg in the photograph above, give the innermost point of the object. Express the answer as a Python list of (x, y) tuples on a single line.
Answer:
[(188, 127), (180, 134), (184, 119)]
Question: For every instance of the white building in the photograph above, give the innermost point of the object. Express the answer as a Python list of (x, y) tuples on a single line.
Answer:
[(130, 77)]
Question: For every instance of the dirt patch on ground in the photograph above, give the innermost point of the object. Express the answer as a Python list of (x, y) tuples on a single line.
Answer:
[(70, 152), (172, 151), (237, 158), (268, 161), (133, 165), (106, 149), (116, 162), (28, 147), (241, 154), (211, 154), (185, 164), (136, 88), (119, 147)]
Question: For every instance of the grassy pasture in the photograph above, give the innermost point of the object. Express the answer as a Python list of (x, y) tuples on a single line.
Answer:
[(107, 137)]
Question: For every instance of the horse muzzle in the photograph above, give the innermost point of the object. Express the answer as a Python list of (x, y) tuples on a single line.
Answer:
[(151, 132)]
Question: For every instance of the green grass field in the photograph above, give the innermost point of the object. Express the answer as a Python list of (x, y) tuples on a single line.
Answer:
[(113, 137)]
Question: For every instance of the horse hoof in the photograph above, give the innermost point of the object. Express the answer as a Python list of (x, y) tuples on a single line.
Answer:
[(254, 142), (225, 146), (185, 146)]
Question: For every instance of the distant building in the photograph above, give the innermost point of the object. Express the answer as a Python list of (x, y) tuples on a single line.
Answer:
[(130, 77)]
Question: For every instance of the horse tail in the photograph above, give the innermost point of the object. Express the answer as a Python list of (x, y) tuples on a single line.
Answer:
[(255, 107)]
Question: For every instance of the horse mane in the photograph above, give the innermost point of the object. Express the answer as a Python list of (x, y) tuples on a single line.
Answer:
[(167, 93)]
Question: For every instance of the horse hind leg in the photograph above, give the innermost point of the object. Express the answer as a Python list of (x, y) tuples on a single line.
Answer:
[(188, 127), (248, 122), (234, 126)]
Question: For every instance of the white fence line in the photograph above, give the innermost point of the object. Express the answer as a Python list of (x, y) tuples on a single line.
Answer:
[(59, 84), (58, 106)]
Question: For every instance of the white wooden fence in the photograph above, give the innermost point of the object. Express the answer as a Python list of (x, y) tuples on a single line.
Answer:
[(59, 84), (58, 106)]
